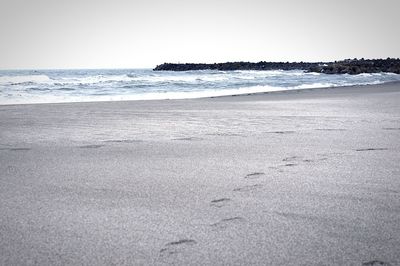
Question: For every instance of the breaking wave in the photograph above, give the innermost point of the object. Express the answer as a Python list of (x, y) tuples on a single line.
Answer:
[(46, 86)]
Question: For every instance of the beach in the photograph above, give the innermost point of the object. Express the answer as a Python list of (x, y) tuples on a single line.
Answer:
[(300, 177)]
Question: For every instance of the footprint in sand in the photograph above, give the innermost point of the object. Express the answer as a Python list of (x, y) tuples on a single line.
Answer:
[(19, 149), (330, 129), (181, 242), (123, 140), (189, 139), (290, 164), (376, 263), (326, 156), (176, 246), (291, 159), (373, 149), (247, 188), (92, 146), (227, 222), (220, 202), (281, 132), (224, 134), (254, 175)]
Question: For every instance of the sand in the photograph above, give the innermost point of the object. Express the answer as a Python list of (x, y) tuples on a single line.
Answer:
[(307, 177)]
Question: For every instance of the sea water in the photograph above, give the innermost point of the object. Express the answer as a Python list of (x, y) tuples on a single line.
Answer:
[(52, 86)]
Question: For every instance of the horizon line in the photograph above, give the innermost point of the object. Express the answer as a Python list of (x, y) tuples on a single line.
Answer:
[(146, 68)]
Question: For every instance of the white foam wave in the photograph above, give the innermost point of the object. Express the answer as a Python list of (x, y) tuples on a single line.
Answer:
[(315, 85), (94, 79), (6, 80), (214, 78), (165, 95)]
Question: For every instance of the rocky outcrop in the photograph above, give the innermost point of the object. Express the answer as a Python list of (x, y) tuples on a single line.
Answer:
[(237, 66), (358, 66), (348, 66)]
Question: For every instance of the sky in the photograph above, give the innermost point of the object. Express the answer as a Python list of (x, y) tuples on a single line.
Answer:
[(45, 34)]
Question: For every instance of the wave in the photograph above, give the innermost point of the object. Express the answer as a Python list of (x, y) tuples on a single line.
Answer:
[(316, 85), (159, 95), (115, 85), (93, 79), (25, 79)]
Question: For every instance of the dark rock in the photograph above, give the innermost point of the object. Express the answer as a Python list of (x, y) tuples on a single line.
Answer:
[(348, 66), (358, 66), (229, 66)]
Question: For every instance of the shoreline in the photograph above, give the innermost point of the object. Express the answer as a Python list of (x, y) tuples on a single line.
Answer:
[(216, 97), (313, 89)]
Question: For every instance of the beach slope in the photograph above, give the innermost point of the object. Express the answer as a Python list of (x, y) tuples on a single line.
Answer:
[(306, 177)]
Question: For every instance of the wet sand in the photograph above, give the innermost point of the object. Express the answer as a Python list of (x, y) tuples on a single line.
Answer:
[(307, 177)]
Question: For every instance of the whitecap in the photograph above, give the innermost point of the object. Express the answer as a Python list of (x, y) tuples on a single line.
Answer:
[(25, 79)]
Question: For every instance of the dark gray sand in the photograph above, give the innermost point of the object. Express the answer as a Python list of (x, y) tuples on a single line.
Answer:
[(291, 178)]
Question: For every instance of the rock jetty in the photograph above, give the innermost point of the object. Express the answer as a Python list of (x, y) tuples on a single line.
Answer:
[(237, 66), (358, 66), (348, 66)]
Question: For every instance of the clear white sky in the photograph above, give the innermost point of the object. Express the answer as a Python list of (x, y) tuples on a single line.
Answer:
[(144, 33)]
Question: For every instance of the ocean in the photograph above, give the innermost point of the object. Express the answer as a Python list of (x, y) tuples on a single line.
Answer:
[(54, 86)]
